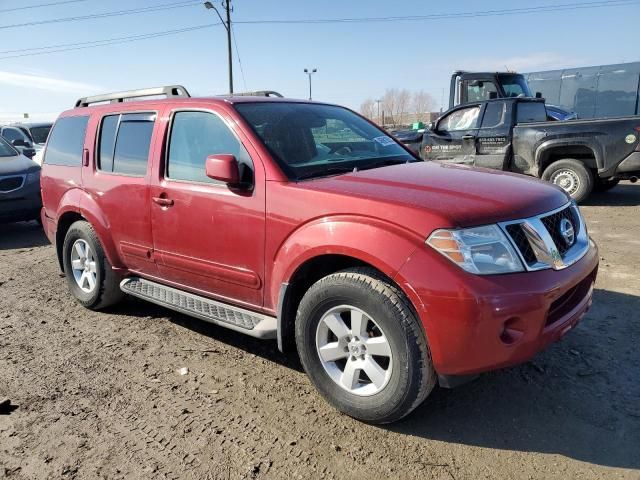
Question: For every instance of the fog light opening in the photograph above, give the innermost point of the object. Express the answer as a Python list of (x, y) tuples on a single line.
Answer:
[(511, 333)]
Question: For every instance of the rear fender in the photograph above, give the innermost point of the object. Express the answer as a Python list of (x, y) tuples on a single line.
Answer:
[(383, 245), (546, 150)]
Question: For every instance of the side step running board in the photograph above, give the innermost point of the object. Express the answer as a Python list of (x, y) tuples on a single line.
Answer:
[(235, 318)]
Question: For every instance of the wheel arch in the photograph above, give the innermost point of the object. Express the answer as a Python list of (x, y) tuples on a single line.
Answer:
[(553, 151)]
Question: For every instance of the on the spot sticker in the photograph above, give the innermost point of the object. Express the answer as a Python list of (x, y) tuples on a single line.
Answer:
[(384, 140)]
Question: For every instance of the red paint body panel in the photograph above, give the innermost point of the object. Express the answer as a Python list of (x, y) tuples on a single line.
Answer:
[(240, 246)]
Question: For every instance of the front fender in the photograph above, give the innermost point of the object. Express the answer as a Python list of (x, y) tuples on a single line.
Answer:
[(383, 245)]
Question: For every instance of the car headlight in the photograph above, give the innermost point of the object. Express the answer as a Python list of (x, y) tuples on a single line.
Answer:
[(33, 176), (480, 250)]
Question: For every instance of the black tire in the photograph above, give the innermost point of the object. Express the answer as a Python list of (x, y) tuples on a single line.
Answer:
[(579, 179), (107, 283), (605, 184), (409, 383)]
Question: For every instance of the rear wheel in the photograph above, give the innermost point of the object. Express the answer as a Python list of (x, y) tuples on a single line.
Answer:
[(572, 176), (363, 347), (90, 277), (605, 184)]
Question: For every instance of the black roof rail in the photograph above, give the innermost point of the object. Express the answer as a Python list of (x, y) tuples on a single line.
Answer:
[(117, 97), (258, 93)]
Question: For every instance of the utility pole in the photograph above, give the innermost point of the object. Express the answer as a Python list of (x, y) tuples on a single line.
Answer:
[(309, 73), (226, 4), (378, 102)]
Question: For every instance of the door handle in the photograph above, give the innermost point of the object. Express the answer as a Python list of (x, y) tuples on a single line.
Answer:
[(163, 201), (468, 137)]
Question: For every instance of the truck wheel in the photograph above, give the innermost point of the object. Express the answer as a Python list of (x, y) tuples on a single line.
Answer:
[(572, 176), (91, 279), (363, 347), (605, 184)]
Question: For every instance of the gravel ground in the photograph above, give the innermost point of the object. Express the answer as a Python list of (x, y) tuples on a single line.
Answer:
[(99, 395)]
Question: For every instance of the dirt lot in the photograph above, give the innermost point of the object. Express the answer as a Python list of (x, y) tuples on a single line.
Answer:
[(98, 395)]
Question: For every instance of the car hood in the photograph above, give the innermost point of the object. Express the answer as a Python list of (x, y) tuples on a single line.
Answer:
[(455, 194), (17, 164)]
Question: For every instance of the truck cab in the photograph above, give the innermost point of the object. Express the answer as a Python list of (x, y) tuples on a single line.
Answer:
[(469, 87)]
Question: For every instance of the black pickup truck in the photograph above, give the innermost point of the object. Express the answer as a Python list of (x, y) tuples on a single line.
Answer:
[(513, 134)]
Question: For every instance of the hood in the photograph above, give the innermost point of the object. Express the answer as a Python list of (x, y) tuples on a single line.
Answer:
[(17, 164), (458, 195)]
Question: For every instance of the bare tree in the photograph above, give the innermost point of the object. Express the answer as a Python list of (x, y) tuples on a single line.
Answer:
[(422, 104), (402, 106), (389, 105), (367, 108)]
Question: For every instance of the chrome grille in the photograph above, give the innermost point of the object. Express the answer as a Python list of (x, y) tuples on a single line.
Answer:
[(552, 223), (540, 242)]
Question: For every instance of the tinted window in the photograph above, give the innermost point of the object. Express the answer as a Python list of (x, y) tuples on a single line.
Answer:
[(66, 142), (39, 134), (531, 112), (132, 144), (11, 134), (463, 119), (493, 115), (514, 85), (195, 136), (107, 142), (309, 140), (6, 150)]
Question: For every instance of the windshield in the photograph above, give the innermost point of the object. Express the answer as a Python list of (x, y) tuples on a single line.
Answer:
[(6, 150), (39, 134), (514, 85), (311, 140)]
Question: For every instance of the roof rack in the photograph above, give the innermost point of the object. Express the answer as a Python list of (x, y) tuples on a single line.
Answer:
[(258, 93), (117, 97)]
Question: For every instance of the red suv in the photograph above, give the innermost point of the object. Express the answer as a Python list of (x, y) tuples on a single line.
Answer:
[(307, 223)]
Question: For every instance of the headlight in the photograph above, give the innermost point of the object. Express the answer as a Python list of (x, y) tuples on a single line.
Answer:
[(33, 176), (479, 250)]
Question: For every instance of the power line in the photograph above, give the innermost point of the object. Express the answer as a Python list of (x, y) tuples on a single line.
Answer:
[(65, 47), (154, 8), (50, 4), (233, 34), (456, 15)]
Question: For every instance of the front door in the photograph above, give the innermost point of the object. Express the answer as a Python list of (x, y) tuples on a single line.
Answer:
[(453, 138), (207, 236)]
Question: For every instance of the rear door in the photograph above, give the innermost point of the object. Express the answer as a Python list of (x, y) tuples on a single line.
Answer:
[(118, 181), (453, 138), (494, 137)]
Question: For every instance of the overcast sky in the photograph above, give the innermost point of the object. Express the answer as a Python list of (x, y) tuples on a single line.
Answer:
[(354, 60)]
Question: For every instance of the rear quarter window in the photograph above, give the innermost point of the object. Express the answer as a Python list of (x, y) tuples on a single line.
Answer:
[(66, 142), (531, 112)]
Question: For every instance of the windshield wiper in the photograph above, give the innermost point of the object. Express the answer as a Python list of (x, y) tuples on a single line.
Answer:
[(325, 172), (386, 163)]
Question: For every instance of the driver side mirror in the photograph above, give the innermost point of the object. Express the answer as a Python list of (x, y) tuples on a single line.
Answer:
[(18, 142), (224, 168)]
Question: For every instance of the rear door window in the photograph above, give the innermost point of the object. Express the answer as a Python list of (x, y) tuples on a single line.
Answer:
[(124, 143), (493, 115), (66, 142), (11, 134)]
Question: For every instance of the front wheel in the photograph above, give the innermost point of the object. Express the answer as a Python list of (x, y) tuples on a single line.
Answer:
[(363, 347), (90, 277), (572, 176)]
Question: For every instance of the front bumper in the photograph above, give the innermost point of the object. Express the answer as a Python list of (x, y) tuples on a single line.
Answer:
[(479, 323), (21, 204)]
